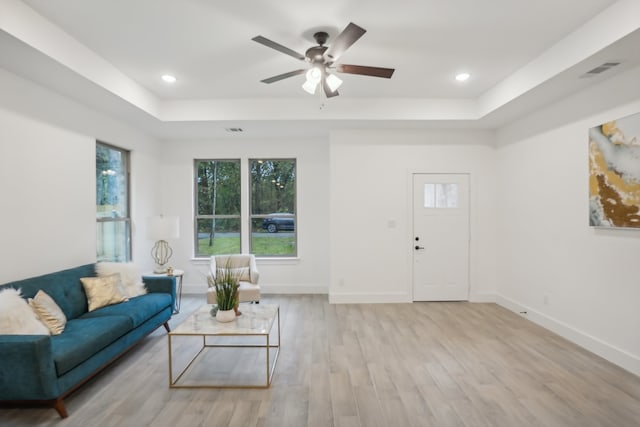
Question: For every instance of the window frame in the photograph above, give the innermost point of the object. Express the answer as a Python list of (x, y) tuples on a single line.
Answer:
[(251, 216), (197, 216), (126, 219), (245, 206)]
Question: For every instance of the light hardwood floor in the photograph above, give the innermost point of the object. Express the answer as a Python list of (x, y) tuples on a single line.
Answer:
[(421, 364)]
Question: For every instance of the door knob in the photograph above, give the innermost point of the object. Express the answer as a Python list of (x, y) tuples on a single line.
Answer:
[(419, 247)]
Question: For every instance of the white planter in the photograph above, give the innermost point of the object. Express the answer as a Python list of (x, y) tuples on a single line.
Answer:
[(225, 315)]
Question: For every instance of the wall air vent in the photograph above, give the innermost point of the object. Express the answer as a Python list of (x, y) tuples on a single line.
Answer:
[(600, 69), (233, 130)]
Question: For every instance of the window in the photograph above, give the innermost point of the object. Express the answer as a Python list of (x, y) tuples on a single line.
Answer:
[(270, 212), (217, 207), (112, 204), (273, 207), (441, 195)]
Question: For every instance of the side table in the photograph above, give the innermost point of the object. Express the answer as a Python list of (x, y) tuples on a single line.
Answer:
[(178, 274)]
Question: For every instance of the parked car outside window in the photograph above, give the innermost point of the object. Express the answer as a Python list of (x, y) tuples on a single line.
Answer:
[(279, 221)]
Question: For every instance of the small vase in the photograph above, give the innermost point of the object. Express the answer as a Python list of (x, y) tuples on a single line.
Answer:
[(225, 315)]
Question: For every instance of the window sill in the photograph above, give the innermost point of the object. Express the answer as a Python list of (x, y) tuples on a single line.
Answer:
[(277, 261)]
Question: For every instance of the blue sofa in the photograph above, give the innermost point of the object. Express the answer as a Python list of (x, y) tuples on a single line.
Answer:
[(45, 369)]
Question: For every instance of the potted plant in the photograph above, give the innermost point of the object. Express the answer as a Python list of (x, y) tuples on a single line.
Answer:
[(226, 284)]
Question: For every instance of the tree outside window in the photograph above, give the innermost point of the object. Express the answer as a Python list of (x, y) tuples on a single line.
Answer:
[(273, 207), (112, 204), (217, 207)]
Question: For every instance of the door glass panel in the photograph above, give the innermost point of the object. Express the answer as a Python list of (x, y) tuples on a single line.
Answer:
[(441, 195), (429, 195), (446, 195)]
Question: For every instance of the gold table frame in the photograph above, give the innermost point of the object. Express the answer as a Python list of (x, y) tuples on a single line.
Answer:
[(256, 321)]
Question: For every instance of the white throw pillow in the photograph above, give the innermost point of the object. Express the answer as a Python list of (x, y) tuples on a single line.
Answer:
[(16, 317), (129, 275)]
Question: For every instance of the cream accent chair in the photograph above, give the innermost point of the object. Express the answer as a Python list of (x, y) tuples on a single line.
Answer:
[(249, 290)]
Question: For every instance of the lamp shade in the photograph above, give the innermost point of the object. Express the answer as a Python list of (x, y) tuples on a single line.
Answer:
[(163, 227)]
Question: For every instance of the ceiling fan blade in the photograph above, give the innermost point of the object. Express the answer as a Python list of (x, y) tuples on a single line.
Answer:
[(327, 90), (345, 39), (278, 47), (283, 76), (366, 71)]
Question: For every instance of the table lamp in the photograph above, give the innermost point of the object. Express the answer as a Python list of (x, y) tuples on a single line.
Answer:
[(161, 228)]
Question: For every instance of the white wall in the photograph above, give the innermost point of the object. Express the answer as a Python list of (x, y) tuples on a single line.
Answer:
[(588, 277), (44, 205), (307, 274), (371, 231), (47, 166)]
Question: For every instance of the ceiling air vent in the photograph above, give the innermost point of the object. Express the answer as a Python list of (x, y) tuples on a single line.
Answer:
[(600, 69)]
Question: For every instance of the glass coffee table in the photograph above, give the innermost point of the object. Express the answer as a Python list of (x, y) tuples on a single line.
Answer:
[(227, 355)]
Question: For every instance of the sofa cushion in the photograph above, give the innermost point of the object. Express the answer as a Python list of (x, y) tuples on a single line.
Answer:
[(137, 309), (83, 337)]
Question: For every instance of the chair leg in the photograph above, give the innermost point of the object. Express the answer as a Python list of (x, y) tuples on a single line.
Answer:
[(166, 326)]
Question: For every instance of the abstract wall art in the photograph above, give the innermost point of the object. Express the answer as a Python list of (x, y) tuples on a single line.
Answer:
[(614, 173)]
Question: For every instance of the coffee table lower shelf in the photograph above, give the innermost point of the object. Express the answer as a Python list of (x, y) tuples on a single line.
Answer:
[(231, 337)]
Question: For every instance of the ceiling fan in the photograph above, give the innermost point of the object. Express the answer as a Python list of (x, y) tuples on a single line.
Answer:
[(322, 59)]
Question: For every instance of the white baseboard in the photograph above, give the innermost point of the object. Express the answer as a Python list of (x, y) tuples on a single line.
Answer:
[(482, 298), (605, 350), (199, 288), (353, 298)]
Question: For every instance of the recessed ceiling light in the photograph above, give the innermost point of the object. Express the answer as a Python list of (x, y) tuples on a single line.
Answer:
[(462, 77), (168, 78)]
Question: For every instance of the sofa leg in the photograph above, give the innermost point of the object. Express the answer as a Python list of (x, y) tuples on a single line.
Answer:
[(166, 326), (58, 405)]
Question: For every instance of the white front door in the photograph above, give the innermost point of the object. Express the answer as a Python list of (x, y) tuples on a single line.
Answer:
[(440, 237)]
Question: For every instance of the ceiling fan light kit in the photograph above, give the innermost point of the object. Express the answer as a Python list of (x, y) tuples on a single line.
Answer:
[(322, 59), (314, 77)]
